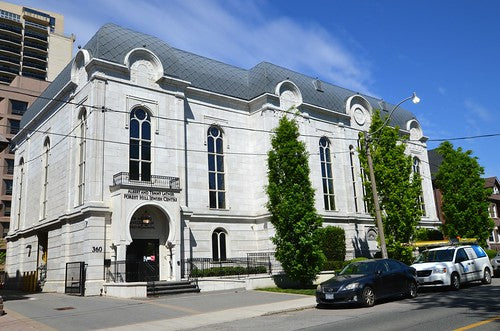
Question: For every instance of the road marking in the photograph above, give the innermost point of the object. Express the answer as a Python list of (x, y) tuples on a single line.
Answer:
[(475, 325)]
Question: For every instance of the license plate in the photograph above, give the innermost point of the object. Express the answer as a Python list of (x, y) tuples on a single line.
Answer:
[(329, 296)]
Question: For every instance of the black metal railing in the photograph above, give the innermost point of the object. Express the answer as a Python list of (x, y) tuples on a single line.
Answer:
[(155, 181), (42, 57), (132, 271), (35, 45), (253, 263)]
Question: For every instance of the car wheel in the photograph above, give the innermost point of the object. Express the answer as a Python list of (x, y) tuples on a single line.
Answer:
[(487, 276), (455, 282), (368, 297), (412, 290)]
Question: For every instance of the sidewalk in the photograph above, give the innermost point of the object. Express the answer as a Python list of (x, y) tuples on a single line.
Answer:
[(51, 311), (222, 316)]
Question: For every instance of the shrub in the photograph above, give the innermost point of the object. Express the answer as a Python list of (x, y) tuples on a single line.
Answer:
[(423, 234), (227, 271), (332, 265), (491, 253), (332, 243), (400, 252)]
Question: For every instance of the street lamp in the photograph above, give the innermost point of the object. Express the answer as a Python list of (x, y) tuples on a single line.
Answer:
[(368, 140)]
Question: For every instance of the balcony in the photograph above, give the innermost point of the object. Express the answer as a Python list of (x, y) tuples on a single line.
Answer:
[(38, 56), (36, 35), (122, 179), (35, 46)]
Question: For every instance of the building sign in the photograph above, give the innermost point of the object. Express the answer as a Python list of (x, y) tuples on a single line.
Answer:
[(150, 195)]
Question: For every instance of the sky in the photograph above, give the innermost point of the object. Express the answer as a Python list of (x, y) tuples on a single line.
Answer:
[(446, 51)]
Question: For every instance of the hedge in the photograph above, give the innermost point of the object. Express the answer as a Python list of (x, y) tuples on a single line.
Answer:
[(227, 271), (332, 242)]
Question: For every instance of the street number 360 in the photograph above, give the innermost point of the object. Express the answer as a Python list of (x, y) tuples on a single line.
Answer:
[(96, 249)]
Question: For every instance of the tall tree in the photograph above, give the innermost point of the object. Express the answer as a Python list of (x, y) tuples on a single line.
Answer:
[(399, 189), (464, 197), (291, 204)]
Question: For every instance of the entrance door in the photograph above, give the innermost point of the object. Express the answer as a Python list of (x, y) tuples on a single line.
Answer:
[(142, 260)]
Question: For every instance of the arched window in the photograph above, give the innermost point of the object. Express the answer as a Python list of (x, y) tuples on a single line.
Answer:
[(140, 145), (216, 182), (363, 178), (353, 177), (416, 170), (219, 245), (45, 178), (20, 193), (326, 173), (82, 140)]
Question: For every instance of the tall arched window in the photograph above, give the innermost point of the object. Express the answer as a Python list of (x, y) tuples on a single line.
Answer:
[(216, 182), (353, 177), (219, 245), (20, 193), (140, 145), (416, 170), (45, 178), (82, 141), (326, 173), (363, 178)]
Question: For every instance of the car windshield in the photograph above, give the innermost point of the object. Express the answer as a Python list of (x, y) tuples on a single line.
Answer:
[(441, 255), (362, 268)]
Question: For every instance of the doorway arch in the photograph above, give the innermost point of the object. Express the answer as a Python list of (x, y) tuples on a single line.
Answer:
[(147, 257)]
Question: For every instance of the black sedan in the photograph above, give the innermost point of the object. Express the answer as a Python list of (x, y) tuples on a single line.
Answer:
[(363, 282)]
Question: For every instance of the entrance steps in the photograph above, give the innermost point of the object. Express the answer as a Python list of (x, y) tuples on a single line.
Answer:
[(163, 287)]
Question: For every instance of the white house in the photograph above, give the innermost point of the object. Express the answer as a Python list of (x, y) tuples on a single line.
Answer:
[(140, 152)]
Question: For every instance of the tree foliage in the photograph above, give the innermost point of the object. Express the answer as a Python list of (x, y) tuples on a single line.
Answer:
[(464, 197), (332, 243), (291, 204), (398, 188)]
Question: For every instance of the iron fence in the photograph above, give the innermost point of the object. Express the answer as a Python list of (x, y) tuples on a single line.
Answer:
[(253, 263), (135, 271)]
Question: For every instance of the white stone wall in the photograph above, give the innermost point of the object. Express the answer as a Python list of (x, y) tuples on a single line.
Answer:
[(181, 117)]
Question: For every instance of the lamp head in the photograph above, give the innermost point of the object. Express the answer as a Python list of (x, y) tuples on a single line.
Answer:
[(415, 99)]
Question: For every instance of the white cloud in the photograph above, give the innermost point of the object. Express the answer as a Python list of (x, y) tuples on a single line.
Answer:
[(477, 110)]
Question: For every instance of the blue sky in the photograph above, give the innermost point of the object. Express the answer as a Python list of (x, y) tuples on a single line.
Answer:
[(447, 51)]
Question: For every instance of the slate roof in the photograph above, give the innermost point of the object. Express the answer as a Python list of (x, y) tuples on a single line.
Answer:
[(435, 160), (112, 42)]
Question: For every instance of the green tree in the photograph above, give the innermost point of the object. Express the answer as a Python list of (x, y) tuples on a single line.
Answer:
[(291, 204), (464, 197), (398, 188)]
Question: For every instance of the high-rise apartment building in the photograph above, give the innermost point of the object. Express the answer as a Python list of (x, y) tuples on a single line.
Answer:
[(33, 51), (32, 43)]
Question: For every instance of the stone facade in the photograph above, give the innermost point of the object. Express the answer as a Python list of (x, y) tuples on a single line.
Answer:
[(77, 197)]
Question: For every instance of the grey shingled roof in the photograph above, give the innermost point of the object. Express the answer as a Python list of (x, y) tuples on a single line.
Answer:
[(435, 160), (112, 43)]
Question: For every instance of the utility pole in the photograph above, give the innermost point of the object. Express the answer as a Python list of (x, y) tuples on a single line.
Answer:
[(378, 215)]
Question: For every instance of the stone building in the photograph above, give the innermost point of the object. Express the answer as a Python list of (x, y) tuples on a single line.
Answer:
[(141, 152)]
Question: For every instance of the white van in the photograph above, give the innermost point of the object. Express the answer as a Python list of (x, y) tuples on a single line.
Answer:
[(452, 266)]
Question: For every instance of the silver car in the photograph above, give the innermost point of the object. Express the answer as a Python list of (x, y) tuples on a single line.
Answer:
[(495, 263), (452, 266)]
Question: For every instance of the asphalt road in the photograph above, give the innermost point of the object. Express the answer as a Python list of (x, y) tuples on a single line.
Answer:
[(475, 307), (244, 310)]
